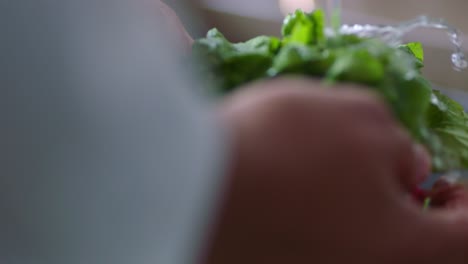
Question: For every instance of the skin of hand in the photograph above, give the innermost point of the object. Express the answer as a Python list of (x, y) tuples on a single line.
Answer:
[(321, 176)]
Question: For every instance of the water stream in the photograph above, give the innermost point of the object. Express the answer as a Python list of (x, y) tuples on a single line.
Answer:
[(393, 34)]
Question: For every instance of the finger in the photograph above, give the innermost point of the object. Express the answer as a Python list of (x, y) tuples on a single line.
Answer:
[(413, 163)]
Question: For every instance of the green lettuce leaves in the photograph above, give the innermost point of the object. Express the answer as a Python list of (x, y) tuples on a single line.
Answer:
[(431, 118), (449, 123), (232, 64), (303, 28)]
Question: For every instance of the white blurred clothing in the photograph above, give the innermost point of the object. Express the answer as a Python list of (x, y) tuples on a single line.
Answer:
[(108, 156)]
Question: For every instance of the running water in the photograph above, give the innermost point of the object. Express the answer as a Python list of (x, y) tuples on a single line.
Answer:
[(458, 57), (393, 35), (333, 13)]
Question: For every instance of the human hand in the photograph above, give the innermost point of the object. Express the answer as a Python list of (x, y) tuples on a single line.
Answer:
[(322, 176)]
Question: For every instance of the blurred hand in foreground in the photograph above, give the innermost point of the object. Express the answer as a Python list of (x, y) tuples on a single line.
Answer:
[(322, 176)]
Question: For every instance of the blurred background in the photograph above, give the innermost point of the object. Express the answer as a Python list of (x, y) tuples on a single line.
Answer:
[(243, 19)]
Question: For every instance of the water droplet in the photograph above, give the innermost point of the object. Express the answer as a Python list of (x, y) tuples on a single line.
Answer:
[(455, 38), (459, 61)]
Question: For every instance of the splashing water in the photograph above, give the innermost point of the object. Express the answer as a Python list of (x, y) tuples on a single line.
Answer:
[(333, 12), (458, 57), (393, 35)]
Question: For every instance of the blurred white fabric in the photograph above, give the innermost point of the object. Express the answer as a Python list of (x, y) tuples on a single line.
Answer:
[(108, 156)]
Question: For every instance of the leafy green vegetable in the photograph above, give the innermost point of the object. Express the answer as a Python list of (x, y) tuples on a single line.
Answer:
[(299, 58), (304, 49), (357, 65), (416, 50), (230, 64), (427, 204), (449, 123), (304, 28)]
